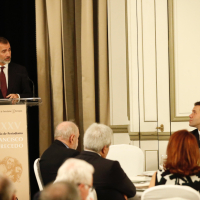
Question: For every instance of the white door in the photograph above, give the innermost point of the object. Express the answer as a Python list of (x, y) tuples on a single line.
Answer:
[(162, 65), (158, 43)]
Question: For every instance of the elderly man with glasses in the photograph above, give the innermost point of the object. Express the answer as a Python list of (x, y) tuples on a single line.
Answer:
[(80, 173), (110, 181)]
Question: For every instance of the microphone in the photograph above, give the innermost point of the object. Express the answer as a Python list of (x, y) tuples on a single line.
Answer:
[(33, 85)]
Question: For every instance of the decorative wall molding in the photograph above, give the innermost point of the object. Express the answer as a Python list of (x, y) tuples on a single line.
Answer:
[(173, 92), (183, 57), (117, 62), (119, 128), (149, 136)]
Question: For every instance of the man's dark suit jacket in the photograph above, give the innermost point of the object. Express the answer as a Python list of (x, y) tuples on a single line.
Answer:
[(195, 132), (109, 180), (53, 158), (18, 81)]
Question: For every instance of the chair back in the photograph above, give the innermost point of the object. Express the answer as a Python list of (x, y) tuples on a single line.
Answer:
[(131, 158), (36, 167), (170, 192)]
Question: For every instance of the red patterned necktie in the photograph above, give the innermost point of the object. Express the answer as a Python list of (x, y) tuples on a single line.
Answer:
[(3, 83)]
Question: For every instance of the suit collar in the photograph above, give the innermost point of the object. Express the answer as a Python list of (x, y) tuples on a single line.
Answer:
[(195, 132), (11, 77), (90, 153), (59, 143)]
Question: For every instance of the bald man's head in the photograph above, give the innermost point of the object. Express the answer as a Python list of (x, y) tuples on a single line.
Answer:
[(68, 133)]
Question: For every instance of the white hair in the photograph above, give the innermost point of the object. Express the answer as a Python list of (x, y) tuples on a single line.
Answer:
[(65, 130), (75, 171), (97, 136), (7, 188)]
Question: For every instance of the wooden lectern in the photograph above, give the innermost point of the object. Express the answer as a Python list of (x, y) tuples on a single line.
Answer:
[(14, 161)]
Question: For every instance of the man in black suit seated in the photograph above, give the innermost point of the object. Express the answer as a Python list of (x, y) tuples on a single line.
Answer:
[(109, 180), (64, 146), (14, 81), (195, 120)]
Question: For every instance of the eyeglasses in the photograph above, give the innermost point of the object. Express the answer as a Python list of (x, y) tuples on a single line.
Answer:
[(88, 186)]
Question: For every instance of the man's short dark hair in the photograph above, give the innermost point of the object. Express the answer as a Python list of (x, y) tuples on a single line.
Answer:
[(3, 40), (197, 103)]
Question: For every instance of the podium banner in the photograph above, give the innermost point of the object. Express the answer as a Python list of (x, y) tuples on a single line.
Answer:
[(14, 147)]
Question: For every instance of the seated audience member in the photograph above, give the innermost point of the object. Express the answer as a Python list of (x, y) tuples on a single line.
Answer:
[(64, 146), (7, 189), (195, 121), (181, 166), (109, 180), (60, 191), (77, 172)]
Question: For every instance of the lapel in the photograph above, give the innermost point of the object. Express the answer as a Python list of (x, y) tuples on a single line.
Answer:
[(11, 77), (59, 143), (90, 154), (198, 137), (196, 134), (1, 95)]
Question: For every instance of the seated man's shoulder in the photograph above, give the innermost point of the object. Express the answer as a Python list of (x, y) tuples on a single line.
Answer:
[(57, 148), (115, 164), (194, 131), (110, 164)]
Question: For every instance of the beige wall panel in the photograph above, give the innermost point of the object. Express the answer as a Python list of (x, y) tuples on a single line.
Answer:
[(150, 149), (121, 138), (162, 64), (117, 62), (175, 126), (146, 108), (186, 60), (151, 159), (187, 51), (133, 65), (149, 60)]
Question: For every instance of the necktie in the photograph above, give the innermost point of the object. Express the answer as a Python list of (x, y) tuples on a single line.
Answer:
[(3, 83)]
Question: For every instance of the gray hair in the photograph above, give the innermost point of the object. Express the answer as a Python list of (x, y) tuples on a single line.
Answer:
[(97, 136), (60, 191), (65, 130), (75, 171), (7, 189)]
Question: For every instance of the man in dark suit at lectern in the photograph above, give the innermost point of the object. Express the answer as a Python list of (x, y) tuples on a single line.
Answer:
[(66, 141), (195, 120), (14, 81)]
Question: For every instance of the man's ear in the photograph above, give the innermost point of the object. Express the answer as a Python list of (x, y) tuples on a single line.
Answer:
[(14, 197), (71, 138), (104, 150)]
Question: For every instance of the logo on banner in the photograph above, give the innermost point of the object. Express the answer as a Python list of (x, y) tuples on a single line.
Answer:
[(12, 168)]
